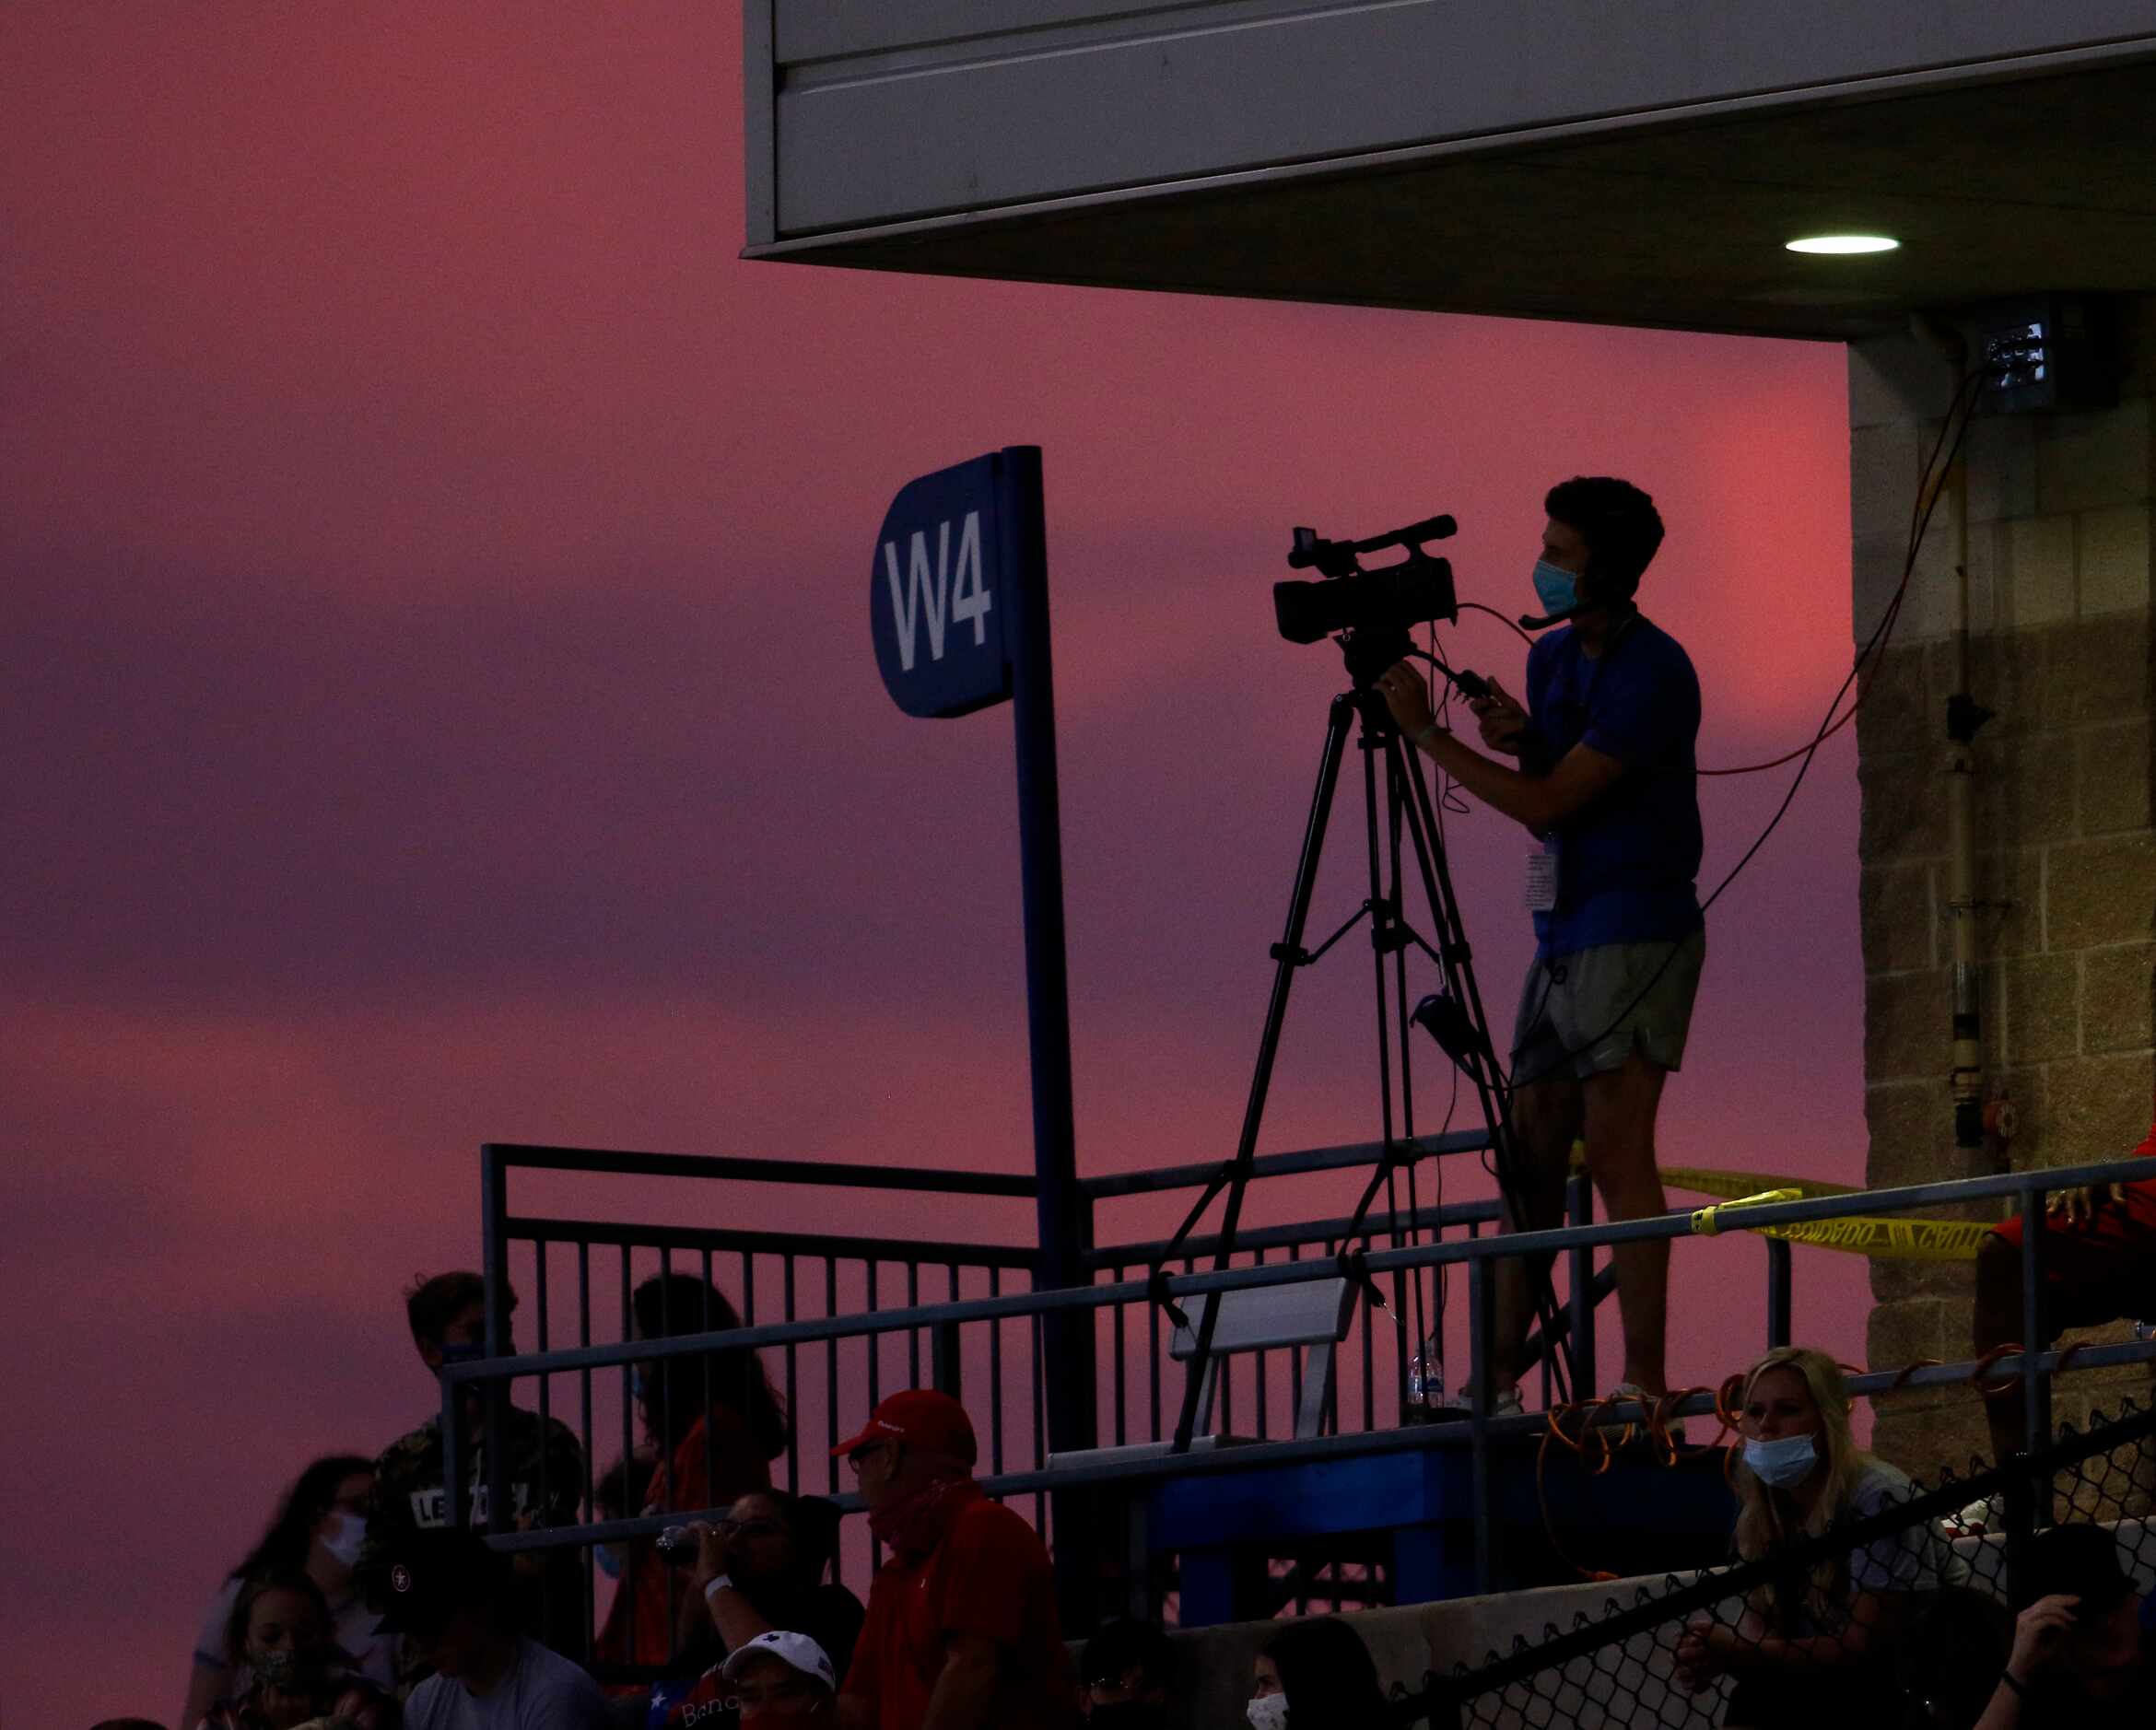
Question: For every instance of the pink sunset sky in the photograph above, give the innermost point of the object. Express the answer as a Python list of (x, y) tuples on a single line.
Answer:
[(439, 707)]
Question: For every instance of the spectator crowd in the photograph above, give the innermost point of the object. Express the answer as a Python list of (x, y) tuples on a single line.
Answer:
[(363, 1607)]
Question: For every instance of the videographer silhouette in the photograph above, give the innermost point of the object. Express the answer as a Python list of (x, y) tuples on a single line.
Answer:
[(1606, 784)]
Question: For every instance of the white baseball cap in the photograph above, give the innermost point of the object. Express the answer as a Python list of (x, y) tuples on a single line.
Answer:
[(797, 1650)]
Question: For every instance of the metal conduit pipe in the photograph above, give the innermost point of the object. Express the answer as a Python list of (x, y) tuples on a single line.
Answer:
[(1964, 714)]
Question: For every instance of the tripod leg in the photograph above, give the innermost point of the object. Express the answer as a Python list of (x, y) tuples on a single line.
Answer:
[(1386, 939), (1287, 956), (1456, 963), (1400, 1013)]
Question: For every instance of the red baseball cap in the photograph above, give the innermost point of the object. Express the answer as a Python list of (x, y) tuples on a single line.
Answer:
[(924, 1418)]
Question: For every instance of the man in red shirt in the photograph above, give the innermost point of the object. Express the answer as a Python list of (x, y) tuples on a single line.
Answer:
[(961, 1632)]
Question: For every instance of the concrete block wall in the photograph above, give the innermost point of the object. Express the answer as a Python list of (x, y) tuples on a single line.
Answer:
[(2058, 525)]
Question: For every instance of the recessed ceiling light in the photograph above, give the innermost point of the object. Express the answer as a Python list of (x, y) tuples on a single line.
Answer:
[(1844, 243)]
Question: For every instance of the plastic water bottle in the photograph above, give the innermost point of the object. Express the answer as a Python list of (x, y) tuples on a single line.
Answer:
[(1426, 1377)]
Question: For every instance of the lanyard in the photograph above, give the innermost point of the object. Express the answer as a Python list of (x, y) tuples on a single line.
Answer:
[(1601, 663)]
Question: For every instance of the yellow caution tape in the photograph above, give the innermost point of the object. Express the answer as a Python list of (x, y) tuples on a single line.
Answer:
[(1890, 1239), (1885, 1238), (1704, 1181), (1709, 1220)]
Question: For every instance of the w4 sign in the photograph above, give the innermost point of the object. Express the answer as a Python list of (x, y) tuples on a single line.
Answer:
[(946, 568)]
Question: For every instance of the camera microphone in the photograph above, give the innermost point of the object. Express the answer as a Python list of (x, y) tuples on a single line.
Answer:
[(1437, 527), (1337, 558)]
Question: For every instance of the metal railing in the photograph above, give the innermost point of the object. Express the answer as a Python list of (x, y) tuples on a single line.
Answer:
[(804, 1274), (809, 1271), (1479, 1255), (1377, 1374), (582, 1272)]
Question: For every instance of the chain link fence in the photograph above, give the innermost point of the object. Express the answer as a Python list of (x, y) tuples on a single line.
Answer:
[(1902, 1617)]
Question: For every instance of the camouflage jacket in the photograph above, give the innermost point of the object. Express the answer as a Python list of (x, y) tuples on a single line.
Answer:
[(545, 1486), (546, 1473)]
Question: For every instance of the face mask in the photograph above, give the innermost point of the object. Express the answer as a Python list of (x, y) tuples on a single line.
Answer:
[(1558, 591), (288, 1672), (609, 1562), (1783, 1463), (1128, 1715), (1269, 1713), (345, 1539)]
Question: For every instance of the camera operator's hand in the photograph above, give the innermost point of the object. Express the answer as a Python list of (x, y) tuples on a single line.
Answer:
[(1407, 697), (1503, 720)]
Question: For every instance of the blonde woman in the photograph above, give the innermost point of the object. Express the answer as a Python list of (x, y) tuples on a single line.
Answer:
[(1805, 1643)]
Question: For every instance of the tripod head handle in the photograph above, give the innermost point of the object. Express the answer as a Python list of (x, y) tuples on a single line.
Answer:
[(1466, 681)]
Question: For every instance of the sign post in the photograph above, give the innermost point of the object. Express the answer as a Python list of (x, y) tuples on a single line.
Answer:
[(958, 609)]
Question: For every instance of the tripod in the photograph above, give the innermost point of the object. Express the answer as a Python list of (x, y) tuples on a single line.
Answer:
[(1455, 1015)]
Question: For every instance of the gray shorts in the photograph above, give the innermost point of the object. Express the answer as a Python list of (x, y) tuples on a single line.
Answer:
[(1584, 1013)]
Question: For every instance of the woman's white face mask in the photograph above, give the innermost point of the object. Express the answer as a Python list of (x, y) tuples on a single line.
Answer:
[(346, 1538), (1782, 1462), (1268, 1711)]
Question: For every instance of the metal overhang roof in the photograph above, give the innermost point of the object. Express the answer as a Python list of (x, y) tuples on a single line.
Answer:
[(1996, 186)]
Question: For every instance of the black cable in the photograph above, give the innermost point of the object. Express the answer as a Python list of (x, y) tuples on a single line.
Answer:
[(1920, 524), (1476, 606), (1443, 1269), (1450, 796)]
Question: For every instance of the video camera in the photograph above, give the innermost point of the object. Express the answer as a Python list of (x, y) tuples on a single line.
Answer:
[(1374, 609)]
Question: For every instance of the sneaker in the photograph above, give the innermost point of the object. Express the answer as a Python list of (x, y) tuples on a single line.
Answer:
[(1974, 1521), (1456, 1407)]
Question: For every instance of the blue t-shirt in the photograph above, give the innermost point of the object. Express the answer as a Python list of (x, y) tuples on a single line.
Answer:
[(1625, 863)]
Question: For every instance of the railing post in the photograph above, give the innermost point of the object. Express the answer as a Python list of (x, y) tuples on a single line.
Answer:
[(1063, 1219), (1780, 1293), (1481, 1348), (2036, 1386), (1580, 1210), (494, 1272), (453, 1490), (944, 1370)]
